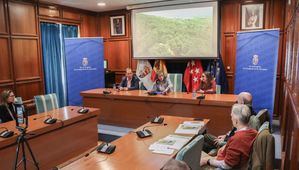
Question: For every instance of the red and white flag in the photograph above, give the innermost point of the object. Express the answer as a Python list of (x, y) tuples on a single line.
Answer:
[(143, 72), (159, 66), (192, 75)]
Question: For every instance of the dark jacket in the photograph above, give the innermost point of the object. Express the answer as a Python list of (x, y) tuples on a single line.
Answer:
[(134, 83), (4, 113)]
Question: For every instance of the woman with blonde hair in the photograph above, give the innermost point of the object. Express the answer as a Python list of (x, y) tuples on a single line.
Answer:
[(7, 107)]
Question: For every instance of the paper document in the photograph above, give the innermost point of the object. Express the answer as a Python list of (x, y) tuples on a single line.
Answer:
[(189, 127), (170, 142)]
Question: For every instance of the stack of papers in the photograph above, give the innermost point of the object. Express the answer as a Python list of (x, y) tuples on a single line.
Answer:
[(169, 143), (189, 127)]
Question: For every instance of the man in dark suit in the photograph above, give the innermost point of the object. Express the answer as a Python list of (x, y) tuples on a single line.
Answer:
[(130, 81)]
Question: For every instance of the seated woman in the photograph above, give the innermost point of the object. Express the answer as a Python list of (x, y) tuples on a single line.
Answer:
[(207, 83), (163, 84), (7, 108)]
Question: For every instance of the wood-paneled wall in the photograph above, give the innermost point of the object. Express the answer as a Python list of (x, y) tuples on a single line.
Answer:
[(290, 82), (19, 29), (117, 49), (20, 47), (230, 25), (21, 68)]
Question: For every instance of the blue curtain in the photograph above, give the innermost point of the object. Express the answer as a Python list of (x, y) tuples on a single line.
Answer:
[(67, 31), (53, 58)]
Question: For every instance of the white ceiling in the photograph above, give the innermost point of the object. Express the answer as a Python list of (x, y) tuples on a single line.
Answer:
[(91, 5)]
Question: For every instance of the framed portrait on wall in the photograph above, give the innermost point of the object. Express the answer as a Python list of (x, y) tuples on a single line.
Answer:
[(117, 25), (252, 16)]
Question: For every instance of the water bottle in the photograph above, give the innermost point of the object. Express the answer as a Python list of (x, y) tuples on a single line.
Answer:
[(114, 87), (193, 94)]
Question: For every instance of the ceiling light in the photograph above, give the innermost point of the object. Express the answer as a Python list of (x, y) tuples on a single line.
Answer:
[(101, 4)]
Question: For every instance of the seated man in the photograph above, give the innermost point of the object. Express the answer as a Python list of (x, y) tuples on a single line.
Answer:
[(236, 152), (211, 142), (130, 81)]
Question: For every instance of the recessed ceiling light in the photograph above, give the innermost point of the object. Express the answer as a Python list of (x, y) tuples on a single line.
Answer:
[(101, 4)]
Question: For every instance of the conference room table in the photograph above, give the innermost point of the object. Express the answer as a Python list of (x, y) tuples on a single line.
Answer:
[(52, 144), (136, 107), (132, 153)]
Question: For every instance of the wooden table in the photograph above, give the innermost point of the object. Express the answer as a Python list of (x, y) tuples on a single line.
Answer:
[(134, 108), (56, 143), (131, 152)]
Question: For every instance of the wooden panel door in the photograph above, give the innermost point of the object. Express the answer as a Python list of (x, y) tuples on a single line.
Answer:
[(3, 27), (118, 54), (26, 59), (5, 63), (22, 19)]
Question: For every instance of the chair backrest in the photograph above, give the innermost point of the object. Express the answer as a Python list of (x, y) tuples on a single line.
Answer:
[(263, 115), (257, 120), (176, 80), (263, 149), (45, 103), (254, 122), (18, 100), (191, 153)]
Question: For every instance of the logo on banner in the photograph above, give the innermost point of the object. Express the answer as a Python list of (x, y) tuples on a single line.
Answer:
[(255, 59), (85, 66), (253, 66), (85, 62)]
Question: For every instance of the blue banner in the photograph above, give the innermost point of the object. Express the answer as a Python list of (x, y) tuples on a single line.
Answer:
[(256, 66), (84, 63)]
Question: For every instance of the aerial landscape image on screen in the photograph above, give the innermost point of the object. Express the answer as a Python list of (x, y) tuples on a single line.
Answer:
[(174, 33)]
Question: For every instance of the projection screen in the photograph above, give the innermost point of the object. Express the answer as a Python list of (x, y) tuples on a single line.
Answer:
[(176, 31)]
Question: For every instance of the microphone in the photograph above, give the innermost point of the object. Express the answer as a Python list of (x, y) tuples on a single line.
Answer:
[(154, 126), (6, 133), (83, 110), (202, 96), (107, 148), (42, 117), (147, 133), (49, 120), (106, 92)]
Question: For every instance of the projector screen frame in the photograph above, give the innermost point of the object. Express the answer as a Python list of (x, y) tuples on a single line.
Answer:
[(218, 34)]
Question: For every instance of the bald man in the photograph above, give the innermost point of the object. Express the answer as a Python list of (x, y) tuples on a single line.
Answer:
[(246, 98), (211, 142)]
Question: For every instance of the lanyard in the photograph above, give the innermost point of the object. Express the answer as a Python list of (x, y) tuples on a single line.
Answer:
[(10, 111)]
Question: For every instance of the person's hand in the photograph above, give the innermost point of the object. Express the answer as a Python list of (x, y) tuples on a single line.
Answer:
[(121, 88), (200, 91), (126, 88), (204, 161), (164, 92), (219, 140)]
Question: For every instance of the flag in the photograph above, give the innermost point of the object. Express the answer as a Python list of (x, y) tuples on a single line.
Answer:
[(220, 76), (192, 75), (159, 66), (143, 72), (216, 68)]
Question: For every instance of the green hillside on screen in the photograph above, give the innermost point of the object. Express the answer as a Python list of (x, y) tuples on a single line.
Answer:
[(173, 36)]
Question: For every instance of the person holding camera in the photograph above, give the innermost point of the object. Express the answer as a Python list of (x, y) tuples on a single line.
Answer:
[(7, 108)]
